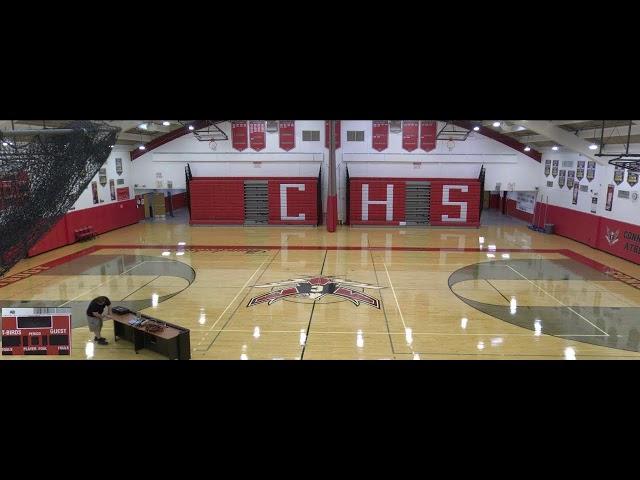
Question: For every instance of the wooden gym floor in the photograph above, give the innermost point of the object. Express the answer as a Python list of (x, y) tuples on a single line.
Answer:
[(498, 292)]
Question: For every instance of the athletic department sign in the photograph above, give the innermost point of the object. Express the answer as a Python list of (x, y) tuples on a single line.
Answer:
[(313, 289)]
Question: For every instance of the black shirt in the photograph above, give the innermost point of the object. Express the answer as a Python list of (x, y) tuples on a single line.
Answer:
[(94, 307)]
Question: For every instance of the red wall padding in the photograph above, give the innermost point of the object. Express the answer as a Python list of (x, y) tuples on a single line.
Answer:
[(513, 211), (305, 202), (221, 200), (620, 239), (471, 197), (102, 218), (377, 192), (55, 238), (572, 224), (218, 201)]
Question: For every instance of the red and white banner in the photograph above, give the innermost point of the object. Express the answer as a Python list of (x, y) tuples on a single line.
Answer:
[(326, 134), (428, 132), (257, 136), (380, 134), (409, 135), (239, 134), (287, 134), (123, 193)]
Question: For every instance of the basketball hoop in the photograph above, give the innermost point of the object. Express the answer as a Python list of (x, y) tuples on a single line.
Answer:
[(627, 163)]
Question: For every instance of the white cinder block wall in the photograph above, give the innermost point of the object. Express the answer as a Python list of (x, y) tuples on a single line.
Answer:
[(104, 192), (624, 210)]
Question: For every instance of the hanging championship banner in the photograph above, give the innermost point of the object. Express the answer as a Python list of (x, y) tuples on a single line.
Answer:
[(112, 187), (576, 189), (610, 190), (257, 136), (119, 166), (570, 178), (618, 175), (379, 134), (554, 172), (594, 204), (428, 133), (580, 170), (547, 168), (410, 135), (326, 134), (94, 191), (561, 177), (103, 176), (632, 178), (591, 170), (287, 134), (239, 134)]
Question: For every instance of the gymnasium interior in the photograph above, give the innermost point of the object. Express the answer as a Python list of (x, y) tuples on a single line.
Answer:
[(320, 239)]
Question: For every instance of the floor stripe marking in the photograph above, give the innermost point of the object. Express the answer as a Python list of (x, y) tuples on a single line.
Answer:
[(547, 293)]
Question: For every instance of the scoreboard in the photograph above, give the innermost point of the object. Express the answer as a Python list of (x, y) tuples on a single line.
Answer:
[(36, 331)]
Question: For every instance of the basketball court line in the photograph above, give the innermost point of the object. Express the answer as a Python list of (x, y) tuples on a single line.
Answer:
[(566, 252), (393, 290), (103, 283), (384, 308), (547, 293), (444, 334), (234, 299)]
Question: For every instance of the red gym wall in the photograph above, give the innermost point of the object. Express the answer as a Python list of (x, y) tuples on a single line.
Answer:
[(217, 200), (454, 202), (102, 218), (617, 238)]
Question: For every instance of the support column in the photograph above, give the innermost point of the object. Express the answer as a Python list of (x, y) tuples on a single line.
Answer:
[(332, 198)]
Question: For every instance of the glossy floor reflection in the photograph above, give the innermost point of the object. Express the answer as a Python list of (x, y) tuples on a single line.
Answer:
[(498, 292)]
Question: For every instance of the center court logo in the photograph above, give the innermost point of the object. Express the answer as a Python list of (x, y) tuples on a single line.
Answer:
[(316, 288), (612, 237)]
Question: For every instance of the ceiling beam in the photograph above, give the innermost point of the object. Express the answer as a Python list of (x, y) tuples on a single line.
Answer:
[(500, 137), (589, 133), (561, 137), (167, 137)]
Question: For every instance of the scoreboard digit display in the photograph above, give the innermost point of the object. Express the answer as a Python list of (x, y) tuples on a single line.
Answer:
[(36, 331)]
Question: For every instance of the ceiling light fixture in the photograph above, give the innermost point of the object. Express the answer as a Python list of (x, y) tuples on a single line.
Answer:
[(166, 123), (142, 147), (476, 128), (143, 126), (527, 148), (554, 148), (190, 127), (593, 146), (496, 124)]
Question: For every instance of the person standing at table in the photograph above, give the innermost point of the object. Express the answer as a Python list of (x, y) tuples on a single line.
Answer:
[(95, 317)]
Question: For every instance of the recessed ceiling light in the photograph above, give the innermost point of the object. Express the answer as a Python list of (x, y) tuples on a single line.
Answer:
[(593, 146), (527, 148), (496, 124), (476, 128), (142, 147), (143, 126), (166, 124), (190, 127), (4, 144), (554, 148)]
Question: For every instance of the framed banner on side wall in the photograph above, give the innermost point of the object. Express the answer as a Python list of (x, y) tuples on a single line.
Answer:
[(94, 190), (610, 190), (112, 187)]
